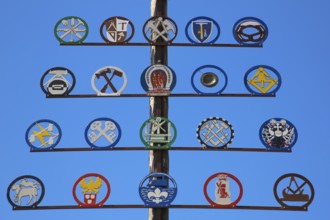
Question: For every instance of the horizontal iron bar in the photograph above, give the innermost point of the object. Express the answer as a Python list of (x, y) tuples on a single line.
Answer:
[(275, 208)]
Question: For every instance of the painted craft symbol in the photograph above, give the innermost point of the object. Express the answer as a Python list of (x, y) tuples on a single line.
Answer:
[(158, 190), (117, 30), (109, 78), (278, 134), (160, 28), (25, 191), (250, 31), (215, 132), (43, 135), (71, 29), (102, 133), (202, 30)]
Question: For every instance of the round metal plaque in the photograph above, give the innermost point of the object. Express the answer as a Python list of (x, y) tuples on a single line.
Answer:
[(43, 134), (102, 133), (226, 190), (278, 134), (94, 190), (202, 30), (293, 190), (160, 29), (25, 191), (71, 29), (250, 31), (215, 132), (262, 79), (158, 190), (117, 30)]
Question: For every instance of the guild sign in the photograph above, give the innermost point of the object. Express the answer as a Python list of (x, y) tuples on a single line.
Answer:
[(278, 134), (25, 191), (109, 81), (160, 29), (158, 190), (293, 190), (159, 79), (94, 190), (227, 190), (250, 31), (202, 30), (57, 81), (158, 133), (209, 79), (262, 79), (71, 29), (43, 135), (102, 133), (215, 132), (117, 30)]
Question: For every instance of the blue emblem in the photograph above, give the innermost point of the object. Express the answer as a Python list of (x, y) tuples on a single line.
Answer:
[(158, 190), (202, 30)]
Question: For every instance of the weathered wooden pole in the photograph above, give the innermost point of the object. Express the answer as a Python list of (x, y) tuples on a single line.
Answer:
[(158, 159)]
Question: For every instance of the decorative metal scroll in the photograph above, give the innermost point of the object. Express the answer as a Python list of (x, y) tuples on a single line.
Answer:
[(25, 191), (202, 30), (109, 81), (93, 191), (158, 133), (71, 29), (117, 30), (102, 133), (262, 79), (160, 28), (278, 134), (293, 190), (158, 190), (250, 31), (215, 132), (227, 190), (209, 79), (57, 81), (43, 134)]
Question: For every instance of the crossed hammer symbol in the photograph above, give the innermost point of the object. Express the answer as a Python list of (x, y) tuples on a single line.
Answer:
[(109, 83)]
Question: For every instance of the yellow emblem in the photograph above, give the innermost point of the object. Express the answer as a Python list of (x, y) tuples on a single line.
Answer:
[(41, 134), (91, 186), (262, 80)]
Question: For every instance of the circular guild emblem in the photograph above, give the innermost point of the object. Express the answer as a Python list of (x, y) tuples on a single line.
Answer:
[(94, 190), (25, 191), (262, 79), (226, 188), (209, 79), (71, 29), (215, 132), (57, 81), (102, 133), (117, 30), (109, 81), (293, 190), (43, 135), (202, 30), (160, 29), (278, 134), (158, 133), (250, 31), (158, 190)]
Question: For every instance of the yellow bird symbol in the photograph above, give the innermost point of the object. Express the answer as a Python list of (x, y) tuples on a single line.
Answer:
[(91, 186), (41, 134)]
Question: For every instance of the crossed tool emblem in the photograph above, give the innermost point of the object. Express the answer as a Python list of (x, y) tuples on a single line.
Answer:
[(97, 126), (160, 27)]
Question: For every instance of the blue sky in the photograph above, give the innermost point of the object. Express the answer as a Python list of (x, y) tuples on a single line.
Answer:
[(297, 46)]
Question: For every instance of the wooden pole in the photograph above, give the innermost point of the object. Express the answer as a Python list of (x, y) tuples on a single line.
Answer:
[(158, 159)]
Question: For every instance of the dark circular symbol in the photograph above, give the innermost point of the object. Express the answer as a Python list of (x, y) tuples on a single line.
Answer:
[(43, 134), (57, 81), (25, 191), (293, 190), (215, 132), (250, 31), (209, 79), (158, 190), (224, 190), (71, 29), (278, 134), (160, 29), (117, 30), (202, 30)]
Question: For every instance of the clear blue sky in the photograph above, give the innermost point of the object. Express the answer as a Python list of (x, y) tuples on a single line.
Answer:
[(297, 46)]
